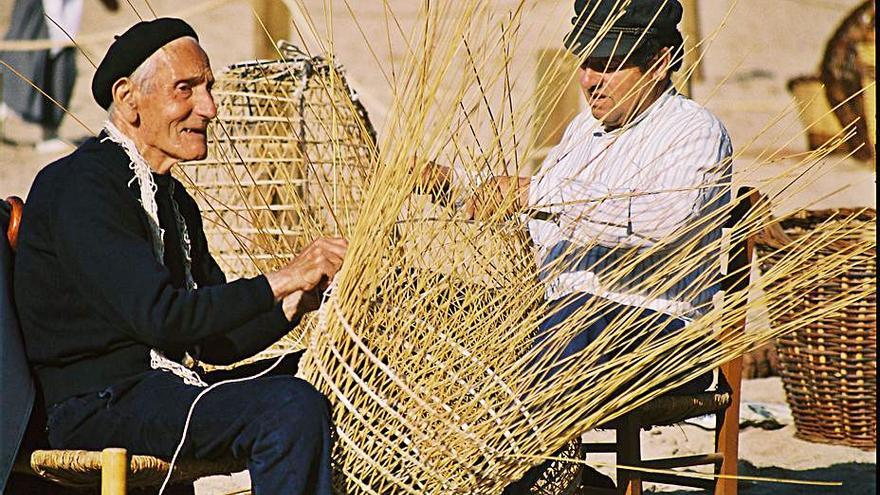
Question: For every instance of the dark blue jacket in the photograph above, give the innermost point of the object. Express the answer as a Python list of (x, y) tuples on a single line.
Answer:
[(86, 241)]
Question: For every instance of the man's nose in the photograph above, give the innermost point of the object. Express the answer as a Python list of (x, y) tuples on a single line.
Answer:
[(205, 106), (590, 78)]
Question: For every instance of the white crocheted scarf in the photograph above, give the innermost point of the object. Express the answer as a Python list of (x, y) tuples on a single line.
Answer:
[(147, 186)]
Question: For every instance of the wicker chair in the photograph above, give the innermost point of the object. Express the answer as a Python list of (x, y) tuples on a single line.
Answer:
[(112, 469), (671, 409)]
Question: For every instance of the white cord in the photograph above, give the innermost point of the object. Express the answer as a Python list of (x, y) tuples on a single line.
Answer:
[(192, 407)]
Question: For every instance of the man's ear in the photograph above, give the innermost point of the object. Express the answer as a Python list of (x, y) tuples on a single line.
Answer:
[(124, 100), (660, 67)]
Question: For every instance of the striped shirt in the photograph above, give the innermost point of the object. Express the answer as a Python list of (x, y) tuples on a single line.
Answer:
[(614, 194)]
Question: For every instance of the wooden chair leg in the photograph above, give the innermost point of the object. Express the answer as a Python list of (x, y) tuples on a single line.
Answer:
[(629, 453), (114, 471), (727, 432)]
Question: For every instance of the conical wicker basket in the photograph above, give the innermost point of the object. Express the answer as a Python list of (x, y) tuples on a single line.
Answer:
[(821, 123), (288, 157), (829, 368), (436, 412)]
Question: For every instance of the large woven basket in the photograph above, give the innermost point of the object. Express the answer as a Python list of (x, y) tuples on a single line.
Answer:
[(829, 367), (288, 158)]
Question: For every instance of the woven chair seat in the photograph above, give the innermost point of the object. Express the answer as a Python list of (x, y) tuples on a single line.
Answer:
[(82, 468), (671, 409)]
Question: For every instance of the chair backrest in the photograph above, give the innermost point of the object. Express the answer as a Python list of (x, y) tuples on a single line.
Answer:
[(11, 211), (16, 382), (739, 255), (736, 279)]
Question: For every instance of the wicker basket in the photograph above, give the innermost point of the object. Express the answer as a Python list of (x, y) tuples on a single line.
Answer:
[(288, 158), (815, 112), (842, 78), (829, 367)]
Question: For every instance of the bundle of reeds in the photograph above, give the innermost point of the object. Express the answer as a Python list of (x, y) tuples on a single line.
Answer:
[(426, 344)]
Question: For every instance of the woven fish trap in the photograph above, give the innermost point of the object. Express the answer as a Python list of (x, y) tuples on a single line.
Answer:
[(288, 158), (829, 367), (424, 403), (485, 253), (429, 416)]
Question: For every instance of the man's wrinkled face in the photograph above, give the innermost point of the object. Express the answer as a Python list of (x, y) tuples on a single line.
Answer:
[(613, 88), (175, 104)]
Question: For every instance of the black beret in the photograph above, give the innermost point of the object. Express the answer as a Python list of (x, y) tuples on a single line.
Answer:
[(130, 50), (638, 20)]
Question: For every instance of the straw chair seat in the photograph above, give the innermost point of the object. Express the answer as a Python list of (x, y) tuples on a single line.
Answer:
[(671, 409), (82, 468)]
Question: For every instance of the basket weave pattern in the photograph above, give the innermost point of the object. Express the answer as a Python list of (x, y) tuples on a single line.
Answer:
[(290, 156), (829, 367)]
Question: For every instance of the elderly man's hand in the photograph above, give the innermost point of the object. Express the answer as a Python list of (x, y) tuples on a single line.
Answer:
[(502, 194), (301, 302), (311, 270)]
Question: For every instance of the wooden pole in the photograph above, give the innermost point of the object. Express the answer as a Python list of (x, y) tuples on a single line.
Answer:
[(114, 471), (558, 113), (690, 29), (276, 18)]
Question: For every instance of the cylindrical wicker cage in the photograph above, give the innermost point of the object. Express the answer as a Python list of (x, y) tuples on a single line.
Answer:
[(829, 367), (288, 157)]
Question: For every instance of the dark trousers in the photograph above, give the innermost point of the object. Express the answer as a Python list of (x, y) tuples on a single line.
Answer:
[(645, 322), (279, 424)]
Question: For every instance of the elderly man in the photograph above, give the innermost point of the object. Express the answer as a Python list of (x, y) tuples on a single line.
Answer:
[(632, 175), (116, 288)]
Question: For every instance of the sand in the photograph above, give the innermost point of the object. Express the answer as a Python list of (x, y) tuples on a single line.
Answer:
[(763, 453), (760, 45)]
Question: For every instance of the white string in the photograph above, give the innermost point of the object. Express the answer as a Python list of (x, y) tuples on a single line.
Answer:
[(193, 406), (322, 317)]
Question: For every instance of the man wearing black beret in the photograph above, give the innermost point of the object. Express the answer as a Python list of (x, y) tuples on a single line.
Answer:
[(116, 289)]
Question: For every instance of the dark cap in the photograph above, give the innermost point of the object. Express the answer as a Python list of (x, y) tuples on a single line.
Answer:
[(131, 49), (633, 20)]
